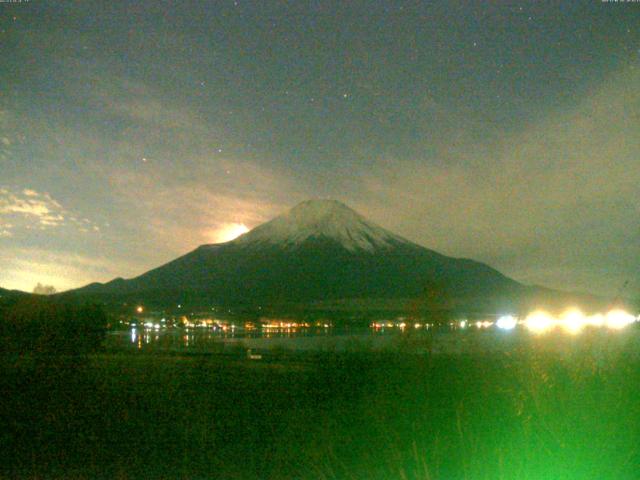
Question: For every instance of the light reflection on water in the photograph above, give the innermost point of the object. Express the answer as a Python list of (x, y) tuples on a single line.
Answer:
[(333, 339), (219, 340)]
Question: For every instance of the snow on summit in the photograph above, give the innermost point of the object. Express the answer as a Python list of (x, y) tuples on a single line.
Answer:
[(322, 219)]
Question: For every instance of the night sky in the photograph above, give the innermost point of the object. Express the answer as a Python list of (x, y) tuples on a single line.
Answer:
[(132, 132)]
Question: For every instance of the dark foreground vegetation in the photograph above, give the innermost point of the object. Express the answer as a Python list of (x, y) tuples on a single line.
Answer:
[(35, 325), (357, 415)]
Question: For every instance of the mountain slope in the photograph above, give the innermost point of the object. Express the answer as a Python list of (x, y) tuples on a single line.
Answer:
[(5, 292), (6, 295), (320, 250)]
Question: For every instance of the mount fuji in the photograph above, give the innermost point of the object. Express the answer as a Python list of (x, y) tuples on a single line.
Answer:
[(320, 251)]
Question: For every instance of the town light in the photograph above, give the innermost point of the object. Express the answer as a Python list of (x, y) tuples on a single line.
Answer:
[(618, 319), (507, 322), (573, 321), (539, 322)]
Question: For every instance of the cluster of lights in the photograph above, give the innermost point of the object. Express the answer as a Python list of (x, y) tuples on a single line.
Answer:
[(572, 321), (386, 324), (284, 325), (483, 324), (211, 323), (156, 326), (402, 325)]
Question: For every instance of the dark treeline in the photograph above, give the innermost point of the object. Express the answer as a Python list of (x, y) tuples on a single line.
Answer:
[(42, 326)]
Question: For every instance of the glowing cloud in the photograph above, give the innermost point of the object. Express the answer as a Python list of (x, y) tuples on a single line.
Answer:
[(228, 232)]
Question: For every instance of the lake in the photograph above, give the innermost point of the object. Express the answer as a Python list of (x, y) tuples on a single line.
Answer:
[(435, 341)]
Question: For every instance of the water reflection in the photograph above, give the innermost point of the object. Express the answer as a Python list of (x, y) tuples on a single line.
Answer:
[(213, 338), (451, 336)]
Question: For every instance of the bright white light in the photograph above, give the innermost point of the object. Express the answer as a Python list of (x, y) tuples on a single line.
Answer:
[(463, 324), (507, 322), (573, 321), (596, 320), (228, 232), (539, 322), (618, 319)]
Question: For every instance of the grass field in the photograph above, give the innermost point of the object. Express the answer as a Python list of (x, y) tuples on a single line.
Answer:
[(524, 414)]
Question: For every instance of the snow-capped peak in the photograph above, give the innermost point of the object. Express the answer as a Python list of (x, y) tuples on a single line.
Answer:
[(321, 219)]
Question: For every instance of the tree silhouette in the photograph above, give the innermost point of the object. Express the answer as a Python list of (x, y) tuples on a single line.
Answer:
[(41, 289)]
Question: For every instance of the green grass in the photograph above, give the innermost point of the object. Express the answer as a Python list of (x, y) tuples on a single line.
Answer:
[(530, 413)]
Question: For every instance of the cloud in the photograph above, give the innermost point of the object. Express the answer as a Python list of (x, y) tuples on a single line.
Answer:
[(10, 136), (184, 195), (552, 203), (142, 104), (44, 210), (177, 217), (25, 267), (31, 209)]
